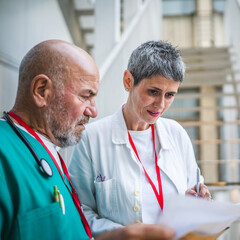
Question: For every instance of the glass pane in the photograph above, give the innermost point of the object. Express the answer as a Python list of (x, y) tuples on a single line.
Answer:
[(178, 7)]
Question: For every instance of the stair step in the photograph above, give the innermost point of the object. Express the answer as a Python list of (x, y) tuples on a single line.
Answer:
[(210, 65), (209, 74), (203, 95), (87, 30), (211, 82), (205, 51), (84, 12), (90, 47), (87, 22), (83, 4), (89, 39), (204, 68), (215, 123), (206, 58), (198, 109)]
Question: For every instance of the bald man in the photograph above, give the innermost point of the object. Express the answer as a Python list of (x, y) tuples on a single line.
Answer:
[(57, 85)]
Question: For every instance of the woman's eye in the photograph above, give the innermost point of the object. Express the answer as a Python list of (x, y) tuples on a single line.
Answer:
[(153, 92), (170, 95)]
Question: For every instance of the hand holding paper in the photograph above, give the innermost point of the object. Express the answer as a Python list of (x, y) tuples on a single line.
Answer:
[(189, 214)]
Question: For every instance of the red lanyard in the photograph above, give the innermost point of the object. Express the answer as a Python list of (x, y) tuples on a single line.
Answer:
[(73, 193), (159, 195)]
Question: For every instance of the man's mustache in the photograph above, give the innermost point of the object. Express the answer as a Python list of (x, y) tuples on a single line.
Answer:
[(83, 120)]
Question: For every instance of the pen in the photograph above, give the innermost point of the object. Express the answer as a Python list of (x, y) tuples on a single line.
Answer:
[(56, 194), (59, 198), (198, 181), (62, 204)]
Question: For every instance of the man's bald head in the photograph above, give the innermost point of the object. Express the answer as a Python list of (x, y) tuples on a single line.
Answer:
[(52, 58)]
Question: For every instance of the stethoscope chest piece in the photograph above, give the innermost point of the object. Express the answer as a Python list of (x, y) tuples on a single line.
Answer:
[(45, 167)]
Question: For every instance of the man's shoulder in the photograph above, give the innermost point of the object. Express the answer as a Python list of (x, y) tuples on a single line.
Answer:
[(4, 129), (8, 136)]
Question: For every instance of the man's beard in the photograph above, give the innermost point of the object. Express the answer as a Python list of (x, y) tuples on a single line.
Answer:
[(63, 130)]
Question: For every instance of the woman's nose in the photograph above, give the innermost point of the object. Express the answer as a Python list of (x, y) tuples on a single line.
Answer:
[(160, 102)]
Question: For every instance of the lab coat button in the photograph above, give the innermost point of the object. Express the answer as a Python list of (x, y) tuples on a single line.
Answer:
[(136, 208), (136, 193)]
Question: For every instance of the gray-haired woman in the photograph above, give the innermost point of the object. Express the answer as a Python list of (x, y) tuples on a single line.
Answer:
[(133, 161)]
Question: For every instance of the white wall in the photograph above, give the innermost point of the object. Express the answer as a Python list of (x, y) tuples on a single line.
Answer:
[(8, 85), (24, 23)]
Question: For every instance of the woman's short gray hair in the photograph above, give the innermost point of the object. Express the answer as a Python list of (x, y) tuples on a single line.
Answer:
[(156, 58)]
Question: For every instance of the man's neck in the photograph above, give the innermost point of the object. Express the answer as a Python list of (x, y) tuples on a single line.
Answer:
[(34, 121)]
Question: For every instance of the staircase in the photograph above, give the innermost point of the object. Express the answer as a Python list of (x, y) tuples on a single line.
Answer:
[(84, 11), (79, 16), (207, 106)]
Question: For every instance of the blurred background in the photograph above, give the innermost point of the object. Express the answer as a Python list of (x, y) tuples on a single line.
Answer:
[(206, 31)]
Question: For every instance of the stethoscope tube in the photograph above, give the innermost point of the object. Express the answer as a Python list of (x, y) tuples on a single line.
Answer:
[(43, 164)]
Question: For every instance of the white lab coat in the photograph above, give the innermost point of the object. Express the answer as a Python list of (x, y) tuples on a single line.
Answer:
[(106, 173)]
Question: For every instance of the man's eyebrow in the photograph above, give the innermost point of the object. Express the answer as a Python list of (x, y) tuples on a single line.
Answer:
[(92, 93), (87, 92)]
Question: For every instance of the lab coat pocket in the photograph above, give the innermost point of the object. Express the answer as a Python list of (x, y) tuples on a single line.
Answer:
[(106, 196), (42, 223)]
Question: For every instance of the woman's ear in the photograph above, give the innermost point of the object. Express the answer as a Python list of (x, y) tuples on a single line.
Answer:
[(42, 90), (128, 81)]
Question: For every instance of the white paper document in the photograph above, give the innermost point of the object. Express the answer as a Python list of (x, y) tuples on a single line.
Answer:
[(190, 214)]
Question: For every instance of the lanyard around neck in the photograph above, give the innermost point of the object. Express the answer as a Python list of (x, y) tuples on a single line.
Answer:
[(73, 193), (159, 195)]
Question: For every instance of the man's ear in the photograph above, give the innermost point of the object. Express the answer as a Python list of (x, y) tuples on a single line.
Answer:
[(42, 90), (128, 80)]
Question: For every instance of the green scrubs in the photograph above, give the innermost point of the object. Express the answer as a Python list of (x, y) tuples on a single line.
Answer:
[(27, 206)]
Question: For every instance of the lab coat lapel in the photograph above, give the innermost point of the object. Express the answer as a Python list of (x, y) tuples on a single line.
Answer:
[(169, 166), (119, 128), (120, 133)]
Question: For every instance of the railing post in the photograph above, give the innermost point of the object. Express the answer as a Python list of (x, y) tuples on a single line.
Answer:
[(204, 23)]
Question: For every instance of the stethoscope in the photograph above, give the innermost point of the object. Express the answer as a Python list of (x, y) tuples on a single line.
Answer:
[(46, 169), (42, 163)]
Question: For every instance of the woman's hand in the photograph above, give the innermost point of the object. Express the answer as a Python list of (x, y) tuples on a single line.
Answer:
[(204, 193)]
